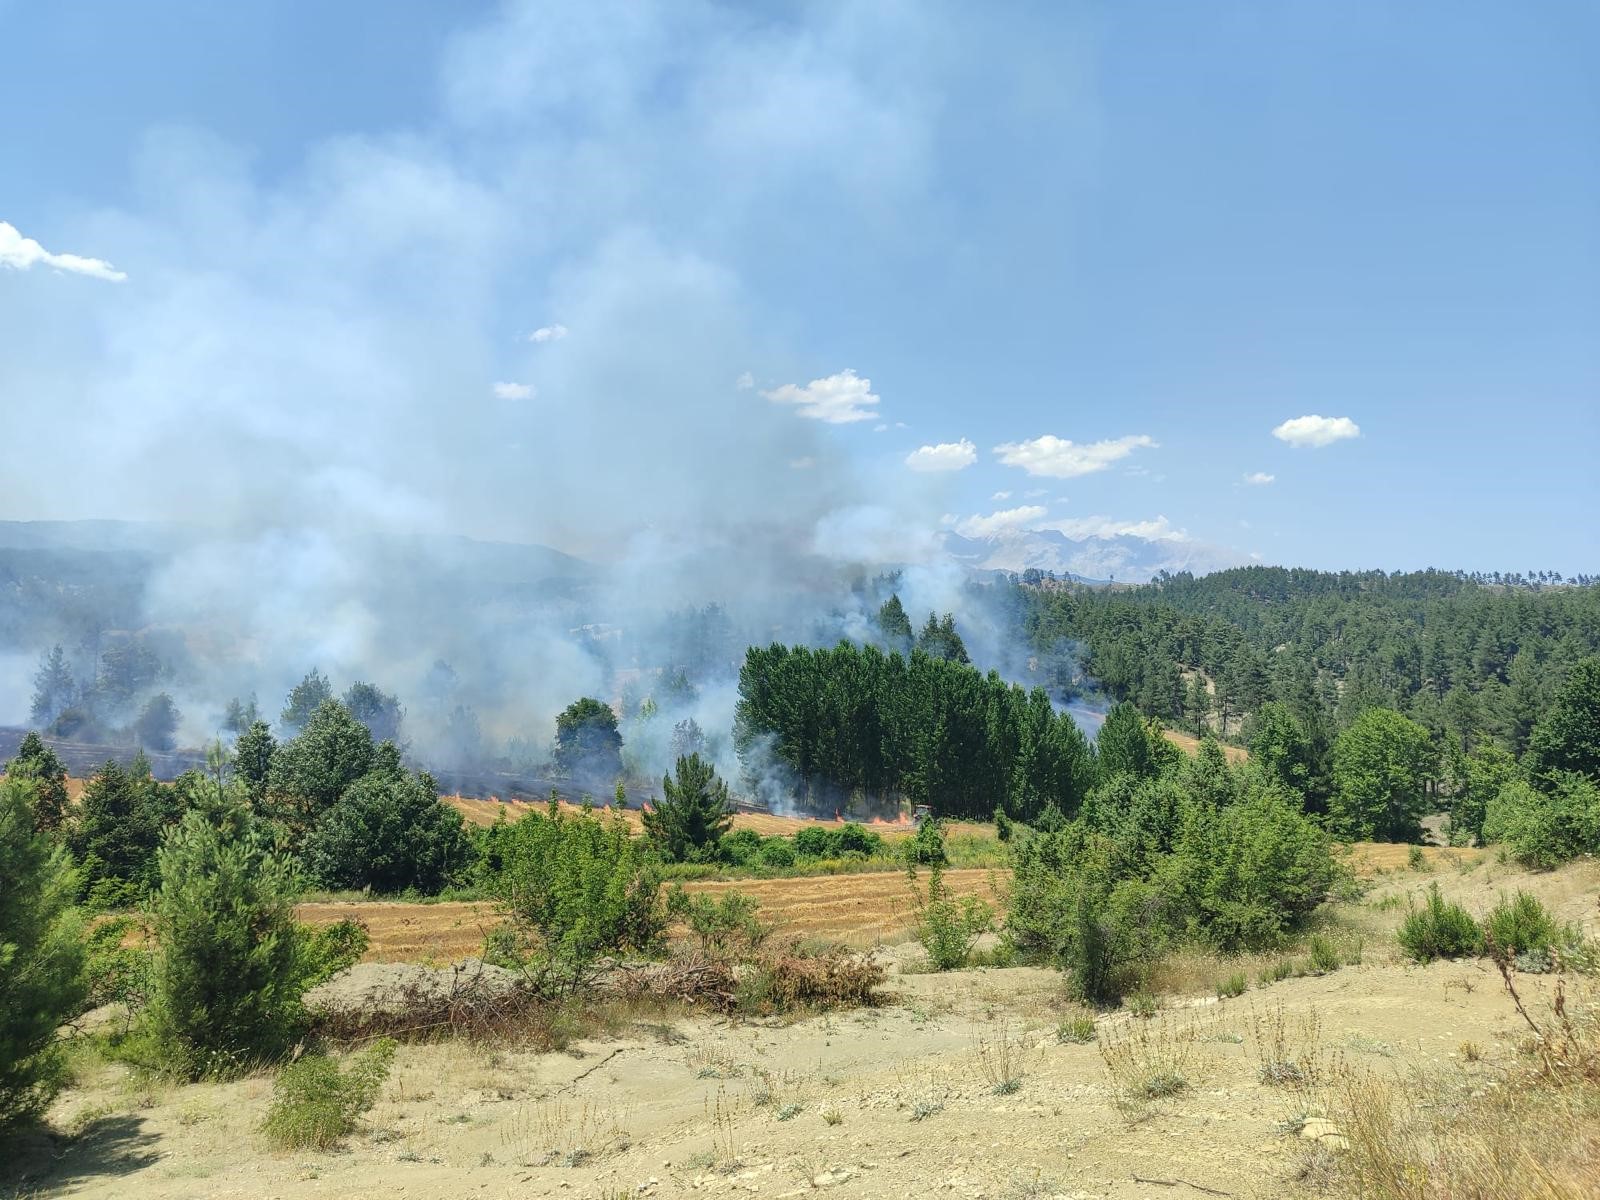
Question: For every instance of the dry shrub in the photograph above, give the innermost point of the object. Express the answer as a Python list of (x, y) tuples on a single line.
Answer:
[(787, 977), (689, 977), (1531, 1131), (1001, 1052), (1147, 1061), (1289, 1050), (416, 1003)]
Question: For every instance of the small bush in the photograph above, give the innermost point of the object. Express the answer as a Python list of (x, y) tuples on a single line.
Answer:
[(1143, 1005), (315, 1104), (722, 927), (788, 978), (1524, 929), (1076, 1028), (1415, 859), (1439, 929), (332, 948), (777, 852), (1233, 985), (949, 926), (1324, 957)]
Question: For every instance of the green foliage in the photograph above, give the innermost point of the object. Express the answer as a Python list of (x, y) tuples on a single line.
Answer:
[(253, 754), (1567, 738), (577, 887), (1381, 766), (54, 689), (1281, 748), (328, 949), (115, 973), (315, 1104), (390, 832), (895, 626), (1522, 925), (948, 926), (1233, 985), (721, 926), (694, 812), (1003, 825), (1322, 955), (310, 694), (1076, 1028), (378, 710), (853, 721), (1483, 774), (41, 956), (778, 852), (37, 762), (1146, 865), (118, 827), (1124, 745), (1439, 929), (940, 640), (230, 964), (1545, 827), (311, 771), (157, 723), (588, 746)]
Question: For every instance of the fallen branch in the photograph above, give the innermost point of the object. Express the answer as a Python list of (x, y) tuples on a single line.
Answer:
[(1187, 1183)]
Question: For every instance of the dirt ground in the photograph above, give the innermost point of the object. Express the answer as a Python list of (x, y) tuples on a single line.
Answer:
[(897, 1100)]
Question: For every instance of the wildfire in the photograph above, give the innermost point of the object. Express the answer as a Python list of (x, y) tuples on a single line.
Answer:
[(899, 822)]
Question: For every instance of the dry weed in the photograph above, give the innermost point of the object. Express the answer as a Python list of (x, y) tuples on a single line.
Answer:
[(1147, 1061), (565, 1133)]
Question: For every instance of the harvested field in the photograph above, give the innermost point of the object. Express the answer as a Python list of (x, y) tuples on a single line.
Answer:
[(1190, 744), (1373, 858), (484, 812), (860, 910)]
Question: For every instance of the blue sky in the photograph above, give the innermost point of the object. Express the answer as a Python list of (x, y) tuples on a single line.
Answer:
[(1156, 231)]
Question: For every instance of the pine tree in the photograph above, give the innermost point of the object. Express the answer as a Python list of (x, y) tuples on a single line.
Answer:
[(41, 956), (54, 690), (693, 813), (37, 762), (310, 694)]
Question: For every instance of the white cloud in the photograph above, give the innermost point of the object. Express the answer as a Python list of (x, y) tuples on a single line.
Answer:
[(837, 399), (1157, 529), (946, 456), (1259, 478), (802, 464), (1009, 520), (514, 391), (548, 333), (20, 253), (881, 427), (745, 382), (1001, 496), (1061, 458), (1316, 431)]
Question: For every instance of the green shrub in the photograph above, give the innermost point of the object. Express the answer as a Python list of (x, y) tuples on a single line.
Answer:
[(692, 814), (315, 1104), (390, 832), (577, 887), (1003, 826), (1323, 956), (1439, 929), (329, 949), (230, 962), (41, 956), (1522, 925), (1143, 1005), (115, 973), (1233, 985), (1546, 826), (1076, 1028), (948, 926), (721, 926), (1415, 859), (743, 846), (777, 852)]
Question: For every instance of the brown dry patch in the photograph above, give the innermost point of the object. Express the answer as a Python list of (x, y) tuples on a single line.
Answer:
[(857, 909), (484, 812), (1372, 858), (1191, 745)]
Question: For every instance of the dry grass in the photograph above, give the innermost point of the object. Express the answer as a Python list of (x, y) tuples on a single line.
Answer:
[(1368, 859), (1481, 1131), (1190, 744), (1148, 1061), (859, 910)]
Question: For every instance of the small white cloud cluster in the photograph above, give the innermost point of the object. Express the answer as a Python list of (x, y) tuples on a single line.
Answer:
[(1259, 478), (513, 391), (1062, 458), (21, 253), (1315, 431), (836, 400), (548, 333), (946, 456)]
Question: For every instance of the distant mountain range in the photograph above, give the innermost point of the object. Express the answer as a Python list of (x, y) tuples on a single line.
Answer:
[(1123, 557)]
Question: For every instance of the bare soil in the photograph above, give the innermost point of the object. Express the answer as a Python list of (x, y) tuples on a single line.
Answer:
[(899, 1100)]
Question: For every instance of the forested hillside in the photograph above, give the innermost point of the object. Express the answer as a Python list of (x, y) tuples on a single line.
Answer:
[(1466, 658)]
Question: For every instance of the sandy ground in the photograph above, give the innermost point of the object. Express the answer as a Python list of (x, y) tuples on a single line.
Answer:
[(689, 1106)]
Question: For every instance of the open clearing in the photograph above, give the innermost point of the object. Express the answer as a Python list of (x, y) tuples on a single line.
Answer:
[(894, 1100)]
